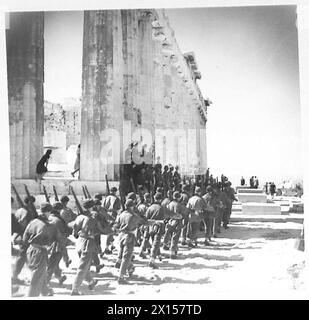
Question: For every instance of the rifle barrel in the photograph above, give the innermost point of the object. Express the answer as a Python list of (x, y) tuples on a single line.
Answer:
[(87, 191), (84, 192), (107, 185), (19, 200), (55, 193), (33, 209), (46, 195), (79, 207)]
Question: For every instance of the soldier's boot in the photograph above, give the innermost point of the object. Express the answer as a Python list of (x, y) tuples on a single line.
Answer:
[(152, 265), (75, 292), (62, 279), (206, 242), (122, 281), (191, 245), (98, 268), (131, 271), (142, 255), (92, 284), (67, 263), (165, 247), (173, 255)]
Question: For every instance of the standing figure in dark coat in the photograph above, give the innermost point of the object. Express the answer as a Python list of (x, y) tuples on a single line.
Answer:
[(41, 167)]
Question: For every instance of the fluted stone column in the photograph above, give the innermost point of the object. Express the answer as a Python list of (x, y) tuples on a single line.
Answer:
[(97, 76), (146, 86), (129, 22), (25, 67)]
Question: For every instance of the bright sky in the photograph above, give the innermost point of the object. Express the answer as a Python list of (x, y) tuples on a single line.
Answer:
[(249, 65), (248, 57)]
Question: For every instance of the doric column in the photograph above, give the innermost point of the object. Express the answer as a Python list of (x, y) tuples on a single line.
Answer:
[(146, 85), (101, 87), (25, 67)]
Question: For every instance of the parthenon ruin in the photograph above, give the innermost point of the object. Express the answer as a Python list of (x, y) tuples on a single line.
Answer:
[(136, 85)]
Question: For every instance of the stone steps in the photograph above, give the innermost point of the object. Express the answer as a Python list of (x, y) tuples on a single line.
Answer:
[(251, 197), (236, 217), (248, 190), (261, 209)]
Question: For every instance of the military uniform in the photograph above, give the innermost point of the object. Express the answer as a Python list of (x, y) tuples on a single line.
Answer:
[(158, 179), (126, 223), (23, 217), (67, 215), (112, 205), (213, 204), (156, 231), (230, 194), (218, 221), (196, 206), (58, 247), (85, 228), (39, 234), (184, 201), (174, 226)]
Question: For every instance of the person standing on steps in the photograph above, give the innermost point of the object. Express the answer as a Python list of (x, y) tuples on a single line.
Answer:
[(77, 162)]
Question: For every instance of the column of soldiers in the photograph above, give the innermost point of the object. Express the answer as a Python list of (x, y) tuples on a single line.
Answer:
[(160, 215)]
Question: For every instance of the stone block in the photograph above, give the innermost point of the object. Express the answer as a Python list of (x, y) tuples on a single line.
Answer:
[(252, 197), (261, 209), (246, 190)]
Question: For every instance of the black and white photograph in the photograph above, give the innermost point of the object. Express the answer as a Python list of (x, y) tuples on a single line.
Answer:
[(154, 152)]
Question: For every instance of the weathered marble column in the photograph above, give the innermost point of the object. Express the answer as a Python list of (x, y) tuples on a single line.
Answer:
[(25, 67), (96, 91), (146, 88), (129, 20)]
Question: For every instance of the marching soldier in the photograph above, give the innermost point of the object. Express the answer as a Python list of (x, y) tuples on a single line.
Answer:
[(144, 229), (126, 223), (213, 205), (38, 236), (66, 213), (176, 177), (171, 178), (169, 197), (230, 193), (164, 204), (23, 217), (197, 207), (157, 177), (142, 207), (156, 231), (165, 179), (112, 205), (218, 221), (58, 247), (184, 201), (174, 225), (84, 230)]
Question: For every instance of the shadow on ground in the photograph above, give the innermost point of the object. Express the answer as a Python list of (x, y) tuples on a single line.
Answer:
[(243, 233)]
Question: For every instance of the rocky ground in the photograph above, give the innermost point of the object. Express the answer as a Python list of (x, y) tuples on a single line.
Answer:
[(249, 260)]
